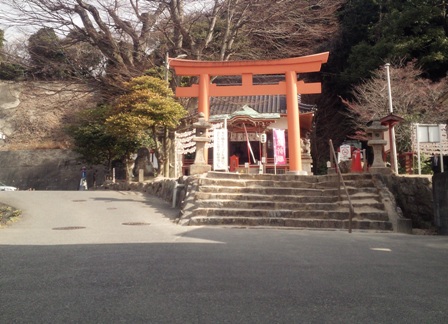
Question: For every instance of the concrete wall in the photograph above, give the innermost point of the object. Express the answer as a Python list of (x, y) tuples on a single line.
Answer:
[(45, 170)]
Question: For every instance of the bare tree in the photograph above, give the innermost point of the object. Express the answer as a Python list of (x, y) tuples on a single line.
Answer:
[(249, 29), (127, 32), (291, 28), (414, 98), (120, 29)]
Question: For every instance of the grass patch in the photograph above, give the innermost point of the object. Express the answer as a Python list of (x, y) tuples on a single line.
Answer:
[(8, 214)]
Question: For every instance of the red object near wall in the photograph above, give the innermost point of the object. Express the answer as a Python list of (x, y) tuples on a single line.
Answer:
[(356, 161), (234, 163)]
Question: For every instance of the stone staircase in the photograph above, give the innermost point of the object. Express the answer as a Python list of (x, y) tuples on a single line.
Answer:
[(219, 198)]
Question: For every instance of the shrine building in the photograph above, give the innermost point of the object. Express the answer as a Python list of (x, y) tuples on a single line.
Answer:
[(248, 117)]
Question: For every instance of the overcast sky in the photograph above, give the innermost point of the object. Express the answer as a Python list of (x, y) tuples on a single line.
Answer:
[(10, 31)]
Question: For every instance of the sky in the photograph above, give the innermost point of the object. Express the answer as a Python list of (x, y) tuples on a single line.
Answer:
[(10, 31)]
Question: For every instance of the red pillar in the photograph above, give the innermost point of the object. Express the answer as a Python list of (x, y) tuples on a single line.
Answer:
[(292, 109), (204, 101), (204, 95)]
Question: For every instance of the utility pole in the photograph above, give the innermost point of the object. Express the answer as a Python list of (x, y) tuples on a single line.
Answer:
[(166, 134), (393, 147), (167, 63)]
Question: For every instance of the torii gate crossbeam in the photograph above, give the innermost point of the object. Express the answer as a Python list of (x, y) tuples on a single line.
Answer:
[(247, 69)]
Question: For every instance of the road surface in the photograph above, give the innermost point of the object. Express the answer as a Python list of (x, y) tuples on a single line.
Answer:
[(101, 271)]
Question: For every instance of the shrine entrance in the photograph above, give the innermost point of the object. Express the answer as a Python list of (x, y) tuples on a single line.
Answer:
[(291, 87)]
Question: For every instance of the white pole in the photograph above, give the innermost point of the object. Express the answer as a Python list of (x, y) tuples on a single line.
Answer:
[(393, 147), (441, 149), (176, 157), (227, 143), (167, 66)]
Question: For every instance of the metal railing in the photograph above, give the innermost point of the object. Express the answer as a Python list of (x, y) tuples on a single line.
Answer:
[(333, 161)]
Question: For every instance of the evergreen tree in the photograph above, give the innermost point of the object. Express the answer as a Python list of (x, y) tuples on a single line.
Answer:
[(93, 141), (411, 29), (46, 55), (147, 108)]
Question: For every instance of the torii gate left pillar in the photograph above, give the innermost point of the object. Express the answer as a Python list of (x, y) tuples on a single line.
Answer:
[(291, 87)]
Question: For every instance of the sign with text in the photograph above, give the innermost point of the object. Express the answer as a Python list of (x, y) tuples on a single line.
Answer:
[(344, 153), (241, 137), (428, 133), (220, 149)]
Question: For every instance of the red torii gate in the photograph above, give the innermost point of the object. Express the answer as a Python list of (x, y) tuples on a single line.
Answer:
[(291, 87)]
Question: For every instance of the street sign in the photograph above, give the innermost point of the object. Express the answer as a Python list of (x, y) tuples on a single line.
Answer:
[(344, 153)]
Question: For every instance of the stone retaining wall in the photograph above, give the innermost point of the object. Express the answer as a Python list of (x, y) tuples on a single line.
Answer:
[(413, 195), (163, 188), (53, 169), (440, 190)]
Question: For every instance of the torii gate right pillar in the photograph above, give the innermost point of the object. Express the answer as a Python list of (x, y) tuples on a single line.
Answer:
[(292, 106), (291, 87)]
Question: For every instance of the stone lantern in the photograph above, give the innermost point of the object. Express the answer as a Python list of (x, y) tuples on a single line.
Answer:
[(375, 133), (200, 165)]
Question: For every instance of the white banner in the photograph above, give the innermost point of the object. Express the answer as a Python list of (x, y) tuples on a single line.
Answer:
[(220, 149), (279, 146)]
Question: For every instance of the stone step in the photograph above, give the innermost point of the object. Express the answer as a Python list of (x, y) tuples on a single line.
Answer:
[(288, 200), (287, 205), (251, 196), (271, 191), (341, 214), (362, 196), (287, 177), (290, 222), (282, 184)]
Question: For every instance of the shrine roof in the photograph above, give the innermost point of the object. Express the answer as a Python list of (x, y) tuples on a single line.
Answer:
[(246, 111), (261, 104)]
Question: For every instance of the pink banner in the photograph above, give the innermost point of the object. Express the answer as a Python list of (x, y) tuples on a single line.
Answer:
[(279, 146)]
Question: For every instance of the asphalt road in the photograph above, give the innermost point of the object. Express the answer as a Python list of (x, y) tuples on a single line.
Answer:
[(107, 272)]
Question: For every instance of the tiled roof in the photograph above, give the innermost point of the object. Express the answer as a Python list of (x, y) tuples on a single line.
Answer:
[(263, 104)]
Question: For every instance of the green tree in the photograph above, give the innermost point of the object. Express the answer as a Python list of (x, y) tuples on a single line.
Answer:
[(92, 139), (47, 56), (57, 58), (413, 29), (419, 29), (147, 108)]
